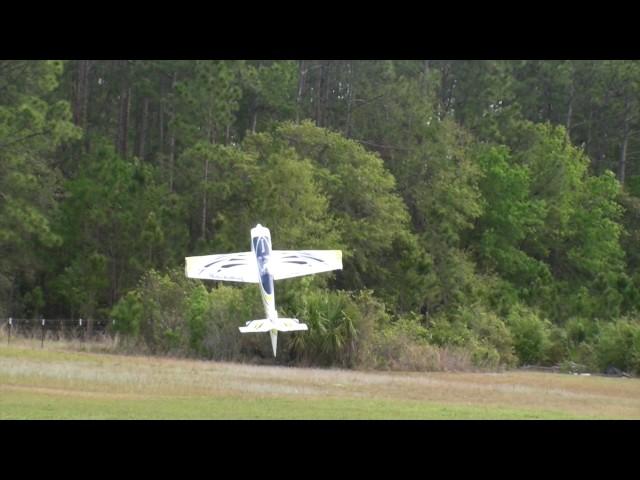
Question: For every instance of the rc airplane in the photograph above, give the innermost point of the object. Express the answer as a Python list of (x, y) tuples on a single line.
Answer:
[(262, 265)]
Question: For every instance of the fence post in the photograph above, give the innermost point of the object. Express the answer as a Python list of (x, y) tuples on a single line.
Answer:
[(9, 336), (42, 340), (81, 331)]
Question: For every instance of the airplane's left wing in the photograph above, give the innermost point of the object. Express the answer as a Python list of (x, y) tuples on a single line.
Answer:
[(232, 267), (295, 263)]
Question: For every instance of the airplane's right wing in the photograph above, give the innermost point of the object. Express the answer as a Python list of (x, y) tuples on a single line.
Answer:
[(295, 263), (232, 267)]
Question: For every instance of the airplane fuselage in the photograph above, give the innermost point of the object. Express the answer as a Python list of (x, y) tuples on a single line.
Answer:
[(261, 248)]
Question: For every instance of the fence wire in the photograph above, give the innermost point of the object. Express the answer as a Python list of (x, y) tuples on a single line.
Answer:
[(58, 328)]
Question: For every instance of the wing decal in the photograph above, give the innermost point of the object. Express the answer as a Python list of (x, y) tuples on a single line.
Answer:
[(295, 263), (233, 267)]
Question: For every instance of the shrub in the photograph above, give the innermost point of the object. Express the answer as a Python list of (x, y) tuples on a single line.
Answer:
[(581, 334), (484, 356), (449, 332), (127, 314), (618, 346), (404, 345), (213, 319), (492, 340), (580, 330), (558, 346), (531, 336), (162, 298), (170, 313), (485, 337), (340, 323)]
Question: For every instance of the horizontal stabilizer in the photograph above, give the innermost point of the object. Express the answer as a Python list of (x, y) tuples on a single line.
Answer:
[(280, 324), (290, 325), (263, 325)]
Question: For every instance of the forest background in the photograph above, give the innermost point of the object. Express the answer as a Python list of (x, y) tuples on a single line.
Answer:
[(488, 211)]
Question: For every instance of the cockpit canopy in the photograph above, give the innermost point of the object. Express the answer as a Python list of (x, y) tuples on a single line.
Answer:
[(263, 250), (262, 247)]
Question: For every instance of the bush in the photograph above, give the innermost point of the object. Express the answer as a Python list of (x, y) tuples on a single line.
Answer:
[(449, 332), (340, 323), (493, 343), (580, 330), (213, 319), (618, 346), (531, 336), (154, 313), (162, 298), (581, 336), (127, 314), (172, 314), (404, 345), (485, 337), (558, 346)]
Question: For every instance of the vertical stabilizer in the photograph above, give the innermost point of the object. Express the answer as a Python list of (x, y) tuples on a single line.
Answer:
[(274, 340)]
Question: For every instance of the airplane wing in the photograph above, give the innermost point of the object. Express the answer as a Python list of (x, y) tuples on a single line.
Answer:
[(295, 263), (232, 267)]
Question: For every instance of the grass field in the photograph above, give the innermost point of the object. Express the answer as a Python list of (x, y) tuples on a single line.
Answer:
[(60, 382)]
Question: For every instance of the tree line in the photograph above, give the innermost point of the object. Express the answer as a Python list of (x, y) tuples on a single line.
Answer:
[(489, 207)]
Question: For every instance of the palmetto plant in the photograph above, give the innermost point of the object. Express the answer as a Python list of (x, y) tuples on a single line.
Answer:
[(332, 319)]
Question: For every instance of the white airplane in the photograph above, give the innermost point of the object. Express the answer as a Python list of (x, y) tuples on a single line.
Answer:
[(263, 265)]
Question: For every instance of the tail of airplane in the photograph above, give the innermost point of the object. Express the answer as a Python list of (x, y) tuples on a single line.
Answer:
[(273, 326)]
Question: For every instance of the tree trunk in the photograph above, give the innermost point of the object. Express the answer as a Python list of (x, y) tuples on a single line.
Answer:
[(80, 97), (253, 112), (349, 99), (172, 138), (81, 93), (123, 130), (570, 112), (326, 87), (548, 103), (301, 81), (161, 122), (589, 128), (622, 165), (425, 77), (172, 159), (446, 91), (253, 106), (254, 121), (143, 128), (318, 95), (204, 198), (85, 94), (125, 125), (77, 90)]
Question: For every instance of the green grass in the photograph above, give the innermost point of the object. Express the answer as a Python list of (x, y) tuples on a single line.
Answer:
[(20, 405), (57, 383)]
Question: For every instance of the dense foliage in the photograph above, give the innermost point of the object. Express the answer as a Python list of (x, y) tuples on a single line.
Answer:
[(488, 211)]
